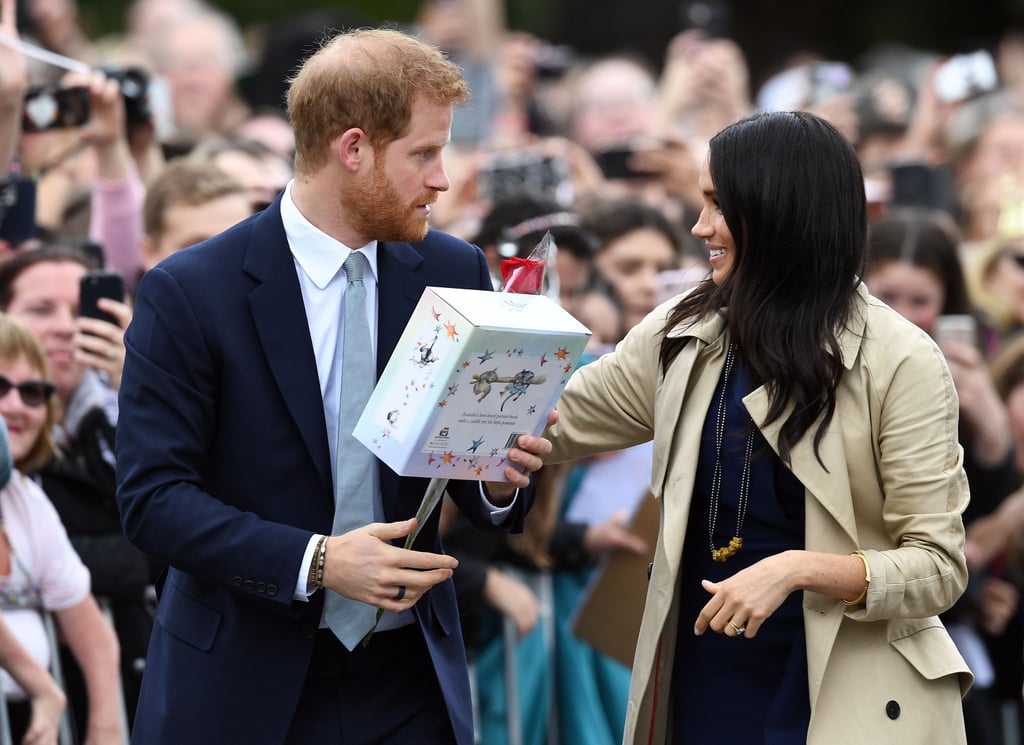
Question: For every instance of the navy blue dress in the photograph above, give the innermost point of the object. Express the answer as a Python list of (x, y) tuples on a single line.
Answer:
[(728, 689)]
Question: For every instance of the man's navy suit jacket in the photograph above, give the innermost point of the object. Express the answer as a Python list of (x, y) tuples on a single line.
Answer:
[(223, 473)]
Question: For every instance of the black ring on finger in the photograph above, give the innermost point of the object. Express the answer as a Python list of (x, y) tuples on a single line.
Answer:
[(400, 594)]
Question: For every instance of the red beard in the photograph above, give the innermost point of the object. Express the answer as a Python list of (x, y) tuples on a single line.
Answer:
[(379, 212)]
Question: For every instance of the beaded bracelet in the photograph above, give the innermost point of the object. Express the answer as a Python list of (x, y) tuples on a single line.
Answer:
[(867, 579), (315, 578), (321, 556)]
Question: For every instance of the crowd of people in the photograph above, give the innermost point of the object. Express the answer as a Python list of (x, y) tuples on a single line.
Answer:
[(654, 180)]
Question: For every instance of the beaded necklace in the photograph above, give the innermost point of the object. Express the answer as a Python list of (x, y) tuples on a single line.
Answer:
[(736, 543), (14, 594)]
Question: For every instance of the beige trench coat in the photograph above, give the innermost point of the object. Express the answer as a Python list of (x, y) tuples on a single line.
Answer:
[(884, 672)]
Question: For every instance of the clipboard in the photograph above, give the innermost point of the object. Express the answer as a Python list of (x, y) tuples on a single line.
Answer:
[(609, 617)]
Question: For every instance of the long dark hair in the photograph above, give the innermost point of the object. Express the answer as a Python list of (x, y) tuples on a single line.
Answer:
[(791, 190), (925, 238)]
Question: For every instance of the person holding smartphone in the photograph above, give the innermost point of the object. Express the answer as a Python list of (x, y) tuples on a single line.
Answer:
[(915, 268), (44, 289)]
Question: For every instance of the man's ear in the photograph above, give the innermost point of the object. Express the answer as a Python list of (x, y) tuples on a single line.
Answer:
[(353, 148), (147, 249)]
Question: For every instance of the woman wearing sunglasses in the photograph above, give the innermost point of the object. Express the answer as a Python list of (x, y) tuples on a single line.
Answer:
[(39, 569), (84, 356)]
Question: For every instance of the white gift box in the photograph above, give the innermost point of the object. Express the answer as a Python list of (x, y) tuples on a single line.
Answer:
[(472, 371)]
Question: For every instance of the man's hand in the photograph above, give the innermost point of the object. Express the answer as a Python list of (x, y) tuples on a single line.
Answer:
[(523, 460), (364, 566)]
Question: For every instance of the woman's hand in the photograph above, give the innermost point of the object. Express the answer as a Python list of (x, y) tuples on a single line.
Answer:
[(999, 600), (747, 598), (613, 533), (512, 599), (980, 404), (47, 709), (100, 344)]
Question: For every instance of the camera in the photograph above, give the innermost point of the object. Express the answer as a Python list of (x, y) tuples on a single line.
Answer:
[(49, 107), (134, 85), (554, 60), (524, 171)]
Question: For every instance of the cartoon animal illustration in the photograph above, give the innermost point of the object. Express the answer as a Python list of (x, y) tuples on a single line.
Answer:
[(519, 384), (426, 353), (482, 383), (516, 386)]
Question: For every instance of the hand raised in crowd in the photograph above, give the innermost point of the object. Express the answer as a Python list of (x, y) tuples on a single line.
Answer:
[(513, 599), (704, 86), (923, 139), (100, 344), (13, 70), (13, 83), (613, 534), (677, 166), (105, 130), (980, 404), (990, 535), (998, 605)]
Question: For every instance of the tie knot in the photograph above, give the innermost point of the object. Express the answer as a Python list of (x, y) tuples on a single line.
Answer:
[(354, 266)]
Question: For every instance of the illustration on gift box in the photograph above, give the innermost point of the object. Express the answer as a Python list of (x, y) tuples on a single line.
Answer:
[(450, 403), (472, 371), (489, 398)]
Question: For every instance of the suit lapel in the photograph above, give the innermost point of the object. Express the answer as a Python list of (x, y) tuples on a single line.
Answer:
[(283, 329), (398, 291)]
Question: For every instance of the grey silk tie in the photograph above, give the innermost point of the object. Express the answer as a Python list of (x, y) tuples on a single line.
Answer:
[(349, 619)]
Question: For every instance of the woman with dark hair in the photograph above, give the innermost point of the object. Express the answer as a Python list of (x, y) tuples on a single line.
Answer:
[(806, 457), (921, 242), (638, 246)]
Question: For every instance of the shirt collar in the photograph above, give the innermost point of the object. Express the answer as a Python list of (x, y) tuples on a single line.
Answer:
[(319, 255)]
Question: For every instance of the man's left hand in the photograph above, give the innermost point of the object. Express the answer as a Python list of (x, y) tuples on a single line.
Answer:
[(523, 460)]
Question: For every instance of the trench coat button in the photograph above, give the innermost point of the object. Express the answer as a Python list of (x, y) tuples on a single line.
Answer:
[(271, 590), (892, 710), (236, 581), (650, 569), (248, 585)]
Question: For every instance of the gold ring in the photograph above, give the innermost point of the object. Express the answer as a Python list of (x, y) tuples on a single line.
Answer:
[(740, 630)]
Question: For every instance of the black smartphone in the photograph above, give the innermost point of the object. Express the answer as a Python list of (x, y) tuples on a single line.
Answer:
[(94, 285), (52, 107), (616, 163), (523, 171)]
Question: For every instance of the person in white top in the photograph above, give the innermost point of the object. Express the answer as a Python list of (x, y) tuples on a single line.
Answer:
[(39, 569)]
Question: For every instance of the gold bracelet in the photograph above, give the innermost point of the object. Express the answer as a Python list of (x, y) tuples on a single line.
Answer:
[(867, 579)]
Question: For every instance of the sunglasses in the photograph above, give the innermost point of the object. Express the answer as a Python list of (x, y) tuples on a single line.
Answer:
[(33, 393)]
